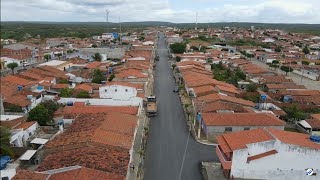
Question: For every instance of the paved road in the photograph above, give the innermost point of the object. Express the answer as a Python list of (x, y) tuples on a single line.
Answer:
[(168, 132)]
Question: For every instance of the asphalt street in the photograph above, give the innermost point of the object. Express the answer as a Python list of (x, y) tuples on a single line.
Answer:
[(169, 134)]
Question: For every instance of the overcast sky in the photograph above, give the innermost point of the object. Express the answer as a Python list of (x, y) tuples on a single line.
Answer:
[(268, 11)]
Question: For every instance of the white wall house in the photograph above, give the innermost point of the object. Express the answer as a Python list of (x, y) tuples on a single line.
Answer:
[(117, 92), (268, 154), (22, 133)]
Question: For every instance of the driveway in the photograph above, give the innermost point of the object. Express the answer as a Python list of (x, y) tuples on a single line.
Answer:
[(168, 134)]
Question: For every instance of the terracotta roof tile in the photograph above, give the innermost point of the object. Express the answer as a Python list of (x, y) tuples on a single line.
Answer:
[(17, 80), (239, 140), (109, 159), (314, 123), (72, 110), (315, 116), (60, 86), (25, 125), (293, 138), (241, 119), (29, 175), (258, 156), (85, 87), (219, 97), (84, 173), (131, 73), (227, 89), (93, 65)]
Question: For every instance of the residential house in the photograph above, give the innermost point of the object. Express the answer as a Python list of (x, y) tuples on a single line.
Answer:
[(214, 124), (268, 153)]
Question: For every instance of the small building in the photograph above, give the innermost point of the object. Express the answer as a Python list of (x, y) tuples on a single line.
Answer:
[(268, 153), (311, 126), (218, 123)]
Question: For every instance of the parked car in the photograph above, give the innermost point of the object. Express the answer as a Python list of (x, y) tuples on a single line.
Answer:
[(176, 89)]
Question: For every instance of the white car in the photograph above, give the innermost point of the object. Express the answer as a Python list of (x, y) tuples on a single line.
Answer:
[(26, 64)]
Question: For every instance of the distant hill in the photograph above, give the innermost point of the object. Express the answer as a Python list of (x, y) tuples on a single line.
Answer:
[(18, 29)]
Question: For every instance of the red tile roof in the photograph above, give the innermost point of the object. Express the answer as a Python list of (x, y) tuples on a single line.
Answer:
[(111, 128), (93, 65), (216, 106), (72, 110), (25, 125), (109, 159), (285, 86), (241, 119), (227, 89), (219, 97), (314, 123), (60, 86), (17, 80), (85, 87), (84, 173), (29, 175), (315, 116), (301, 92), (238, 140), (258, 156), (131, 73), (137, 86)]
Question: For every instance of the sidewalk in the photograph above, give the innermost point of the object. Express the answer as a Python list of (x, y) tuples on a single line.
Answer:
[(138, 150)]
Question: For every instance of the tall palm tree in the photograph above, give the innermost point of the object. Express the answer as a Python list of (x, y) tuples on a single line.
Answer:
[(5, 141)]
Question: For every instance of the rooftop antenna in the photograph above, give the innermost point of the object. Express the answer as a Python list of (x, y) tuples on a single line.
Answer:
[(107, 19), (196, 28)]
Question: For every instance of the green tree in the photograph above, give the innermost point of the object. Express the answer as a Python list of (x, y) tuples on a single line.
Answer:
[(286, 69), (178, 48), (14, 108), (59, 55), (40, 114), (306, 50), (141, 38), (5, 136), (195, 48), (97, 57), (241, 75), (51, 106), (94, 45), (66, 92), (305, 62), (83, 94), (203, 38), (294, 113), (252, 88), (178, 59), (12, 66), (277, 49), (173, 66), (63, 81), (47, 57), (112, 76), (97, 76)]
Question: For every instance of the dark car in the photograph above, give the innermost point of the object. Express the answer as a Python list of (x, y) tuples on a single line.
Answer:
[(176, 89)]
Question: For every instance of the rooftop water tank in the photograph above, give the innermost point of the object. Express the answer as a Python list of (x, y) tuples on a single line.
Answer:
[(40, 88), (315, 139), (29, 97), (4, 161), (70, 103), (20, 88)]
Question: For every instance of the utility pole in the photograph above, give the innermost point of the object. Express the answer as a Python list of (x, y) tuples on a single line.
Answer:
[(196, 28), (107, 19), (120, 31)]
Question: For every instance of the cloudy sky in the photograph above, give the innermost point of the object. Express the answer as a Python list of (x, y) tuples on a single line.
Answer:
[(268, 11)]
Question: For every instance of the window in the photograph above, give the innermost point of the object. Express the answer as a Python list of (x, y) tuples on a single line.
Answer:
[(229, 129), (115, 90), (126, 90), (105, 90), (246, 128)]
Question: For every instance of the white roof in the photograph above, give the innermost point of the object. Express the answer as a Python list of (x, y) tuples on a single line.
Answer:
[(28, 155), (305, 124), (9, 117), (52, 63), (39, 141)]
